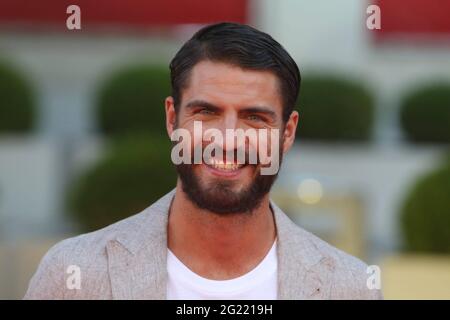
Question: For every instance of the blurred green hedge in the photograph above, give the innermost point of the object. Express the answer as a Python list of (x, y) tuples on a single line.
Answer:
[(425, 114), (334, 109), (135, 173), (425, 216), (132, 100), (17, 104)]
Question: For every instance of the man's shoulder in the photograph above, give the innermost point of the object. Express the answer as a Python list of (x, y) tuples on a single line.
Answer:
[(348, 274), (341, 260), (86, 253), (92, 245), (96, 241)]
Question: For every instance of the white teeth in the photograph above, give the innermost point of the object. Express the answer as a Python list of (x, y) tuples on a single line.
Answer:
[(219, 164), (228, 166)]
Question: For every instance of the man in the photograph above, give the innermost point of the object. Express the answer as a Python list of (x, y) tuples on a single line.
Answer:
[(217, 235)]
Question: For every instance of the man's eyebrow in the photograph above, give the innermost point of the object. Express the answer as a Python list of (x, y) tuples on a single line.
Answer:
[(260, 109), (246, 110), (202, 104)]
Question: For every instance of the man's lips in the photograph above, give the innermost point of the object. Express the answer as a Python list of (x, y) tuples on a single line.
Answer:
[(223, 169)]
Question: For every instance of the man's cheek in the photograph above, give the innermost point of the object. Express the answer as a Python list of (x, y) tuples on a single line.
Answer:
[(197, 142), (269, 152), (181, 150)]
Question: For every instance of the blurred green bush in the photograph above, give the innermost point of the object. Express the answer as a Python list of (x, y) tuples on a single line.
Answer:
[(132, 100), (425, 114), (334, 109), (17, 103), (134, 174), (425, 215)]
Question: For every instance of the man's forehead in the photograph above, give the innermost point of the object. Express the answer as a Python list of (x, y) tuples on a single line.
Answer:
[(222, 81), (218, 73)]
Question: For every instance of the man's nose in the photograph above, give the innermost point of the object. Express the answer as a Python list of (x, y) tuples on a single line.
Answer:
[(229, 124)]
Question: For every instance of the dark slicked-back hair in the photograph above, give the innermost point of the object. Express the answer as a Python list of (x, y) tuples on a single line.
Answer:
[(239, 45)]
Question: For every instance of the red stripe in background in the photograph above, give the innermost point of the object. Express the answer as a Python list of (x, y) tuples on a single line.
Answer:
[(128, 13), (411, 18)]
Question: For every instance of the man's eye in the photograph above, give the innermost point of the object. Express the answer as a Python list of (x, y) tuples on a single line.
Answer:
[(205, 111), (254, 117)]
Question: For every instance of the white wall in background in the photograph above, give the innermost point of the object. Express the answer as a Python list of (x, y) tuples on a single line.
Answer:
[(332, 36)]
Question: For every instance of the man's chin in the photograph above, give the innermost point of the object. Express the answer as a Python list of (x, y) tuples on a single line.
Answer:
[(221, 197), (224, 196)]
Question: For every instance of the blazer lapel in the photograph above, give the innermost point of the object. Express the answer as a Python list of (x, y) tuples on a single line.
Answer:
[(303, 272), (137, 258)]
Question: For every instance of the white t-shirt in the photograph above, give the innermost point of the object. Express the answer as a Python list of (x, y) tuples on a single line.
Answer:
[(259, 283)]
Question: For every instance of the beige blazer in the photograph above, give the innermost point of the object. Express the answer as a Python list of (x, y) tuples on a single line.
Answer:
[(127, 260)]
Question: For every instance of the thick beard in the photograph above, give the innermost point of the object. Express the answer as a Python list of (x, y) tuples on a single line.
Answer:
[(219, 197)]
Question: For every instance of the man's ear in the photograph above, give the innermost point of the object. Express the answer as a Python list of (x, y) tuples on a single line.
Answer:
[(289, 131), (171, 116)]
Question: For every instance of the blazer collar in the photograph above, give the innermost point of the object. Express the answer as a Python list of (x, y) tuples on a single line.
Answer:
[(137, 258), (303, 271)]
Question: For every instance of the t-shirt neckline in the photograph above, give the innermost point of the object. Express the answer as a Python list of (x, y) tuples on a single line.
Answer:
[(180, 272)]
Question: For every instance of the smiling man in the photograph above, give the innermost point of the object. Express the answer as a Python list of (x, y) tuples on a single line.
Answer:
[(217, 235)]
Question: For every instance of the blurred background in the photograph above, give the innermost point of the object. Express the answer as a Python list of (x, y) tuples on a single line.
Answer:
[(83, 144)]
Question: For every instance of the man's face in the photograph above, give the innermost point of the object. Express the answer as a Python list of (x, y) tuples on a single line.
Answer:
[(223, 97)]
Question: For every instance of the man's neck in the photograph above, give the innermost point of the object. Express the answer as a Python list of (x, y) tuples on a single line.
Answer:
[(221, 246)]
